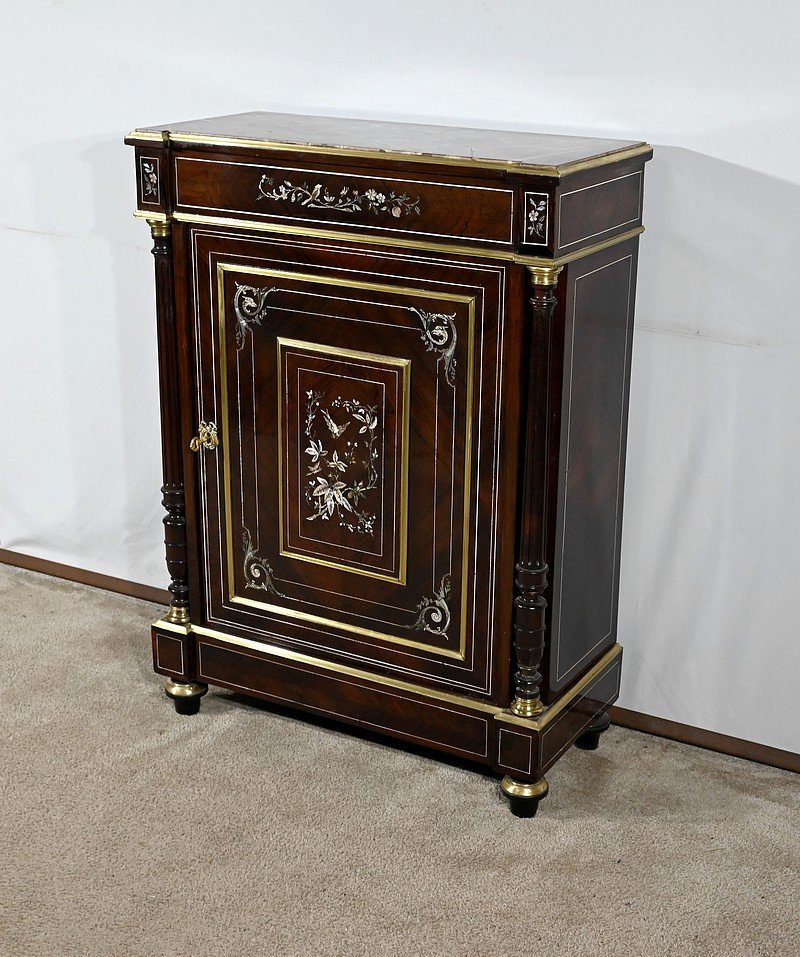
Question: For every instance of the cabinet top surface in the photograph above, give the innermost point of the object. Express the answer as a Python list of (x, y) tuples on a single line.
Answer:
[(508, 149)]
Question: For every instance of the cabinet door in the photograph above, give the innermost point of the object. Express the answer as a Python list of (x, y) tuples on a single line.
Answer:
[(352, 509)]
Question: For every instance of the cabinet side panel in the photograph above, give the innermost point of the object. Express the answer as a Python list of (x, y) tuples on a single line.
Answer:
[(596, 373)]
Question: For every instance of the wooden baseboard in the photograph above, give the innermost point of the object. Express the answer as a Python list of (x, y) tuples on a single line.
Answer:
[(160, 596), (673, 730), (710, 740)]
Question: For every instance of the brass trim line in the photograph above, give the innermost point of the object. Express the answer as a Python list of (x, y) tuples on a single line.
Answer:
[(473, 253), (500, 714), (512, 166), (275, 651)]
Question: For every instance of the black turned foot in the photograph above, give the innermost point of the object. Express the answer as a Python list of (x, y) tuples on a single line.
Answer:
[(185, 695), (187, 705), (524, 796), (590, 738), (524, 807)]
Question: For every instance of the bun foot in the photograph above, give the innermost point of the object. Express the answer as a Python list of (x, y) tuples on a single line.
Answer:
[(524, 796), (185, 695), (590, 738)]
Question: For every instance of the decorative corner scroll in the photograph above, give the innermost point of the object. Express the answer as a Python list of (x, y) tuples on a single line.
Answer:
[(257, 571), (439, 335), (249, 307), (536, 210), (347, 200), (438, 329), (433, 613)]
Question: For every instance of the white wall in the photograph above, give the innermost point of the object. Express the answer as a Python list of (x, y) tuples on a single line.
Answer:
[(711, 562)]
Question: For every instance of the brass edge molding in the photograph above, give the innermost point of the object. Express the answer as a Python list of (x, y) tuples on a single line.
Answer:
[(567, 169), (473, 253), (505, 717), (274, 651), (164, 624), (353, 237), (500, 715), (511, 166), (586, 250), (155, 217)]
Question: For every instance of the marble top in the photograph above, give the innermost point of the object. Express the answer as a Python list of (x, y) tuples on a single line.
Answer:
[(463, 145)]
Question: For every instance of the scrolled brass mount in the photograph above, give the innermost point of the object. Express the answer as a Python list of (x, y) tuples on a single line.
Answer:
[(206, 437)]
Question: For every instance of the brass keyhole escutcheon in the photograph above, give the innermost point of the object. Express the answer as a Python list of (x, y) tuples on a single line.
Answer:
[(206, 437)]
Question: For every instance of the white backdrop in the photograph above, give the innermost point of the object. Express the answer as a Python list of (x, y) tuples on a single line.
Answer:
[(710, 562)]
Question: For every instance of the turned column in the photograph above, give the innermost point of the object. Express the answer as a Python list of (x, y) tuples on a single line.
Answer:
[(171, 453), (531, 578)]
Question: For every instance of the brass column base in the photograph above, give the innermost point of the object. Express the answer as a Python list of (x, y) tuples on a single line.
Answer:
[(178, 615), (526, 707), (524, 796), (185, 695)]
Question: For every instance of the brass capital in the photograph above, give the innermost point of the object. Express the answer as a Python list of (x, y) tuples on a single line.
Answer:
[(545, 275), (159, 227)]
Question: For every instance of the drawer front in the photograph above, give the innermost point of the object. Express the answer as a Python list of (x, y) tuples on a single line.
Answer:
[(352, 507), (417, 207)]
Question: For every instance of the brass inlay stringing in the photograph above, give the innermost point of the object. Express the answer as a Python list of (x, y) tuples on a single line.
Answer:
[(469, 301), (206, 437)]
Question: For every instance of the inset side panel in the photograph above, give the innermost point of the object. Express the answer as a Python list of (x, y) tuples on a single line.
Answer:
[(598, 328)]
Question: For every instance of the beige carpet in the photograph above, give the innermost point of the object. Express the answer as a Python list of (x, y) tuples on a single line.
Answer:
[(128, 830)]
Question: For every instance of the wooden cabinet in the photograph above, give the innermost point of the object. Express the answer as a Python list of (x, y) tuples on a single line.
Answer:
[(394, 367)]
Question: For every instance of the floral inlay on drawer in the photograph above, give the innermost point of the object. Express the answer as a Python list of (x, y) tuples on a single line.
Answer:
[(347, 198), (387, 202)]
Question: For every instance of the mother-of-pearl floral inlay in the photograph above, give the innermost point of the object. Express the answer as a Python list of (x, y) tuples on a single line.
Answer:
[(335, 485), (348, 199)]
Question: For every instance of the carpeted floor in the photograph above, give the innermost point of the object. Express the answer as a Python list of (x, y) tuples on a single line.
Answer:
[(128, 830)]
